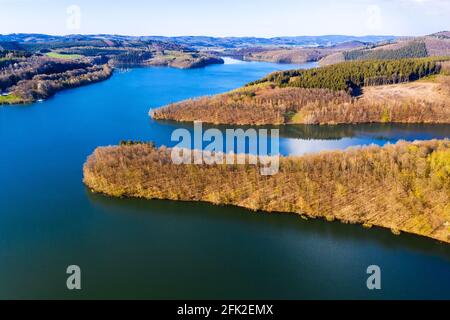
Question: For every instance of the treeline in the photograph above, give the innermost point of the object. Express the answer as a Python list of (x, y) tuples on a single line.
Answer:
[(403, 187), (352, 76), (94, 51), (133, 57), (34, 47), (292, 55), (11, 74), (114, 56), (373, 111), (43, 86), (11, 57), (415, 49), (255, 105), (155, 55), (136, 142), (10, 54)]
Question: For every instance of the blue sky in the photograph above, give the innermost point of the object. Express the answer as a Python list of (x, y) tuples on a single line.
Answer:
[(262, 18)]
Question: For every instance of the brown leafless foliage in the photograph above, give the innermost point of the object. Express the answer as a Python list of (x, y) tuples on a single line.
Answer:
[(40, 77), (437, 47), (43, 86), (445, 67), (260, 105), (252, 105), (26, 69), (403, 187), (292, 55)]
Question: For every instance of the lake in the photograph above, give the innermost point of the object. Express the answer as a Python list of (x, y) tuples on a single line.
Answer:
[(131, 248)]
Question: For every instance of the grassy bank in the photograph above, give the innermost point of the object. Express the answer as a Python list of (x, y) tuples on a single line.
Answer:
[(403, 187), (57, 55), (11, 99)]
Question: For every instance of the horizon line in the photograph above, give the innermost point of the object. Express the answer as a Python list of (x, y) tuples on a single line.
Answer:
[(211, 36)]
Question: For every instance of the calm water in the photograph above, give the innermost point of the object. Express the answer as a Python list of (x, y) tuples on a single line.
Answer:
[(161, 249)]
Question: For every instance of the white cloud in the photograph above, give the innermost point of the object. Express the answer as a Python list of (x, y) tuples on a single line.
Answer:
[(430, 3)]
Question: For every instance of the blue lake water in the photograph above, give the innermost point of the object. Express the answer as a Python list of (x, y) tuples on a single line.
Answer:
[(130, 248)]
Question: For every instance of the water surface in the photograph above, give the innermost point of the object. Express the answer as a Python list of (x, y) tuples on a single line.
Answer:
[(161, 249)]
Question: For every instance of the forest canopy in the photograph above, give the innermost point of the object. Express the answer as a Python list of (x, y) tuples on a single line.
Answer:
[(405, 187), (415, 49), (330, 95), (352, 76)]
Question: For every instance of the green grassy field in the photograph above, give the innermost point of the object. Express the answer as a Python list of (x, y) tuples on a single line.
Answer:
[(10, 99), (64, 56)]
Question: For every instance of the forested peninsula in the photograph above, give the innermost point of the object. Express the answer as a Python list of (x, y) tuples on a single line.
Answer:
[(404, 187), (412, 90), (34, 67)]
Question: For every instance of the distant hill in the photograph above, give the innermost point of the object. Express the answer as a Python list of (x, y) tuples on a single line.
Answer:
[(293, 54), (241, 42), (437, 44), (10, 45), (36, 66), (203, 41), (35, 42), (441, 35), (350, 45)]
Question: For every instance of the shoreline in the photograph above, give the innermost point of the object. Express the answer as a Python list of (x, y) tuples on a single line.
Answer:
[(20, 101), (52, 94), (313, 96), (302, 216), (322, 124)]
